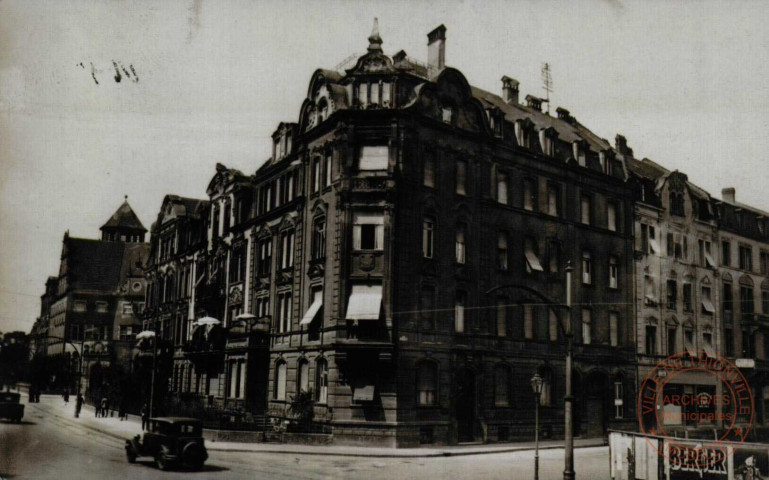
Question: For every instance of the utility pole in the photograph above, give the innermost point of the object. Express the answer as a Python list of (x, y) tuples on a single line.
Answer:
[(547, 83)]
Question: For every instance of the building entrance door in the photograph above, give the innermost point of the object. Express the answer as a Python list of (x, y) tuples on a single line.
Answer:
[(465, 405), (595, 404)]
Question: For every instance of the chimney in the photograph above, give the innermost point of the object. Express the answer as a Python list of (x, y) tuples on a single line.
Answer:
[(729, 195), (436, 48), (400, 56), (510, 90), (534, 102), (620, 145)]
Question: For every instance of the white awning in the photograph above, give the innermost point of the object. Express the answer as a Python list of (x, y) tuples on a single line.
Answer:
[(365, 302), (651, 298), (709, 350), (655, 246), (708, 305), (309, 315), (689, 349), (709, 260), (363, 393), (532, 261)]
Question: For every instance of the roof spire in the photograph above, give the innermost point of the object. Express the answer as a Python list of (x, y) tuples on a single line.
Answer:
[(374, 40)]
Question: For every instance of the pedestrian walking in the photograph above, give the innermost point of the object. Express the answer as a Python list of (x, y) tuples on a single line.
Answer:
[(103, 406), (96, 409), (122, 413), (78, 404), (66, 396), (145, 416)]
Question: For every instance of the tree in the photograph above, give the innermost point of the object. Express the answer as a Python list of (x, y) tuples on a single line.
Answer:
[(14, 358), (302, 409)]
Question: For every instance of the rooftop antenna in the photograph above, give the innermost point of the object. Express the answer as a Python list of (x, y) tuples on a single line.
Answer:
[(547, 84)]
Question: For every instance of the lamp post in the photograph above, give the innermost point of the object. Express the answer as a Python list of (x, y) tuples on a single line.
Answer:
[(565, 324), (151, 334), (568, 399), (536, 387)]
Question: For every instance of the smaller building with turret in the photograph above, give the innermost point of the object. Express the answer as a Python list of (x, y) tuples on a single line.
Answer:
[(92, 307)]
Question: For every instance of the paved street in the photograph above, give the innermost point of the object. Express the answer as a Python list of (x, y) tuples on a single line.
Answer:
[(47, 446)]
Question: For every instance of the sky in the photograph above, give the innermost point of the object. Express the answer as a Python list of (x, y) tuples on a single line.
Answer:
[(203, 82)]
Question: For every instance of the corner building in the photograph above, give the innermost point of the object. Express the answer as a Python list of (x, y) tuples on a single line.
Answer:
[(383, 217), (743, 245)]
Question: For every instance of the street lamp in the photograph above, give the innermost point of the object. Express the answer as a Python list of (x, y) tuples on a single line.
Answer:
[(141, 336), (568, 399), (565, 324), (536, 387)]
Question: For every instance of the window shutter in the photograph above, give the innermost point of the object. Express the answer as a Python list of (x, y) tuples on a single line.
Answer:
[(356, 237)]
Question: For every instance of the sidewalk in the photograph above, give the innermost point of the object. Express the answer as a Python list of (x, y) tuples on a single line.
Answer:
[(123, 430)]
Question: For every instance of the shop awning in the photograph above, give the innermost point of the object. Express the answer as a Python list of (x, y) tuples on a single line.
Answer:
[(708, 305), (532, 261), (363, 393), (655, 246), (309, 315), (365, 302), (709, 350)]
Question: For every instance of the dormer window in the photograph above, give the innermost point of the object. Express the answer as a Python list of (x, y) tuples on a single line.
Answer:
[(322, 110), (579, 154), (495, 121), (446, 114), (386, 94), (522, 134), (363, 94), (547, 142), (677, 204)]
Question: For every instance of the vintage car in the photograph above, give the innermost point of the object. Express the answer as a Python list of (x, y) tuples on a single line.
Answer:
[(171, 441), (10, 407)]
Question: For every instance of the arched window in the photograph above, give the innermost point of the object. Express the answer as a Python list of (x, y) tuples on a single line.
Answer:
[(502, 188), (279, 387), (428, 235), (321, 381), (303, 376), (461, 243), (502, 378), (619, 397), (319, 238), (765, 301), (322, 110), (427, 383), (502, 251)]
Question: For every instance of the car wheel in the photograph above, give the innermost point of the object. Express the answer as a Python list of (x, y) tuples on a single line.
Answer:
[(161, 461), (130, 455)]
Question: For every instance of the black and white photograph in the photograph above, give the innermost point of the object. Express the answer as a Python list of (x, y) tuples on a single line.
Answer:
[(373, 240)]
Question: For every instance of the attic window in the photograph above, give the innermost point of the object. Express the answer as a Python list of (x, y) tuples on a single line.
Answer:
[(522, 135), (446, 114), (322, 110), (363, 94)]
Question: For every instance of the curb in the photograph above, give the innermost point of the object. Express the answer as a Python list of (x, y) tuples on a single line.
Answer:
[(211, 446)]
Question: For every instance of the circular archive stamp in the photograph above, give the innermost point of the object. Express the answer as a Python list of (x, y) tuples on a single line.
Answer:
[(698, 392)]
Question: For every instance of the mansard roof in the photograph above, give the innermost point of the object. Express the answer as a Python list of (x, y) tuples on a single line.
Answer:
[(175, 206), (124, 218), (224, 177), (93, 264)]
